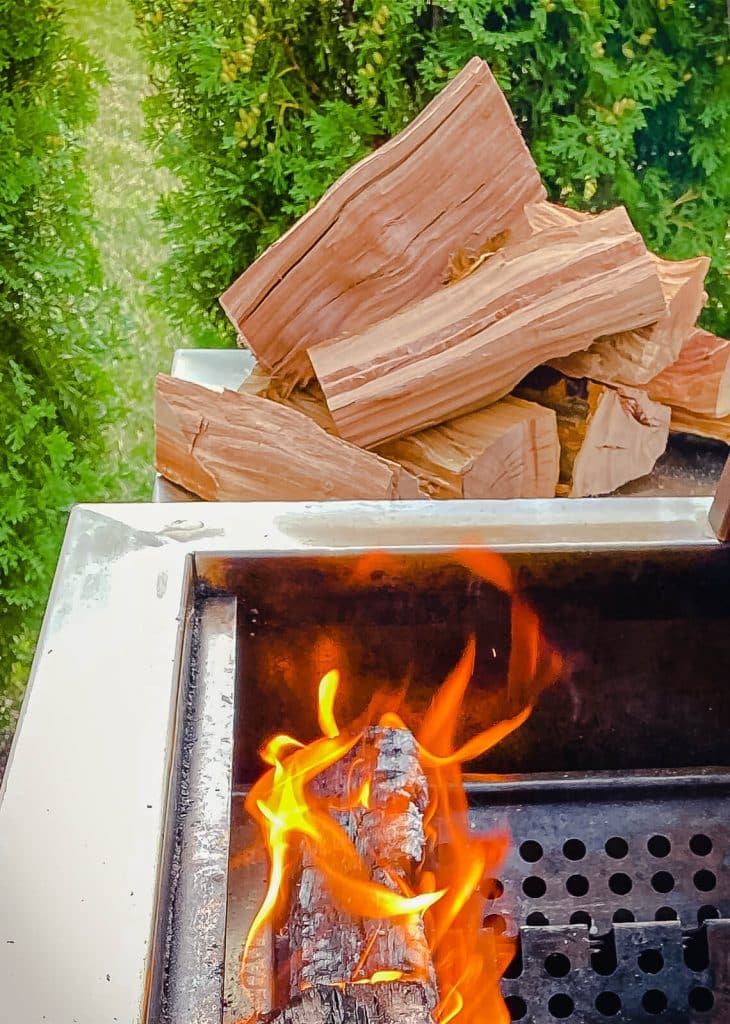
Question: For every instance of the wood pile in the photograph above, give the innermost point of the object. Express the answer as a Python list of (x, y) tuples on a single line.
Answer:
[(434, 328)]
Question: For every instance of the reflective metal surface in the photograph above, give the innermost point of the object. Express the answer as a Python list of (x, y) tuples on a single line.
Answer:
[(84, 802)]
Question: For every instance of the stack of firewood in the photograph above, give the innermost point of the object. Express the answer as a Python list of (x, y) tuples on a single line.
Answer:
[(433, 327)]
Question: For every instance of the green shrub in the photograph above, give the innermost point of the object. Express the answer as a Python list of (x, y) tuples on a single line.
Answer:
[(259, 104), (55, 321)]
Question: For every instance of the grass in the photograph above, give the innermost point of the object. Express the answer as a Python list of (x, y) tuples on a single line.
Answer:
[(125, 186)]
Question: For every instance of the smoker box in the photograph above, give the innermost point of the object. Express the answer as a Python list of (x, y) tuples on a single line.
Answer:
[(159, 669)]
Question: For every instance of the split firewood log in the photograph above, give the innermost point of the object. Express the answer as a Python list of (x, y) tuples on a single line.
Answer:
[(634, 357), (380, 238), (686, 422), (608, 436), (700, 379), (508, 450), (469, 344), (225, 446), (327, 954)]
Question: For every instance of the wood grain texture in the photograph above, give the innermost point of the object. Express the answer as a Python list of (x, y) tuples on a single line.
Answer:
[(470, 343), (608, 436), (225, 446), (508, 450), (634, 357), (381, 237), (686, 422), (700, 379)]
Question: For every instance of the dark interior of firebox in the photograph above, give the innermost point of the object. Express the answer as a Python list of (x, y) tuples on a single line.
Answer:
[(644, 636)]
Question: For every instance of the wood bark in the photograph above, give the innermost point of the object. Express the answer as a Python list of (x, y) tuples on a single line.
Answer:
[(324, 949), (634, 357), (225, 446), (471, 343), (508, 450), (380, 238), (608, 436), (700, 379), (686, 422)]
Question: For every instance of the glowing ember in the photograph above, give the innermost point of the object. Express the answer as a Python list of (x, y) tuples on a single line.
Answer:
[(444, 899)]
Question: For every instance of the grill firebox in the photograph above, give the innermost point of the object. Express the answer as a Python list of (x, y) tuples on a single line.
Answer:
[(201, 638)]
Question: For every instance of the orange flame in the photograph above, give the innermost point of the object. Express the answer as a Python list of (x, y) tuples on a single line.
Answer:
[(448, 891)]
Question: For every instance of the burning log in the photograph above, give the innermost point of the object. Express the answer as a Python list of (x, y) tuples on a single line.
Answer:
[(634, 357), (380, 238), (700, 379), (232, 447), (339, 966), (469, 344), (608, 436), (508, 450)]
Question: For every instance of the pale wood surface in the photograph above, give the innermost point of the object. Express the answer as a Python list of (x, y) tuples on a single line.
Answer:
[(381, 237), (700, 379), (508, 450), (608, 436), (686, 422), (634, 357), (472, 342), (226, 446)]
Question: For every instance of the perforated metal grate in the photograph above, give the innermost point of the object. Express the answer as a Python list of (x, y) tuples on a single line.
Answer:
[(619, 892)]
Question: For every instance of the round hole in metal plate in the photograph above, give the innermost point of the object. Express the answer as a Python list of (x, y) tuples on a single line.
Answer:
[(654, 1001), (492, 888), (495, 923), (701, 999), (530, 851), (707, 913), (700, 845), (561, 1005), (536, 919), (557, 965), (574, 849), (577, 885), (622, 916), (704, 880), (620, 883), (651, 961), (517, 1007), (616, 847), (665, 914), (659, 846), (534, 887), (608, 1004), (662, 881)]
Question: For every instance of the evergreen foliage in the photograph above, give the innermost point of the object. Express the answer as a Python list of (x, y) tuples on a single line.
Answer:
[(259, 105), (54, 390)]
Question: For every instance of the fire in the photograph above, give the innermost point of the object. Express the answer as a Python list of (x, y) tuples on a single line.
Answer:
[(445, 898)]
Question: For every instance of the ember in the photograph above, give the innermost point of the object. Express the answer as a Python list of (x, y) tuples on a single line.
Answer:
[(376, 886)]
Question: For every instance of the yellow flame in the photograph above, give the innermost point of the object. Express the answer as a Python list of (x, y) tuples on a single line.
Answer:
[(329, 684)]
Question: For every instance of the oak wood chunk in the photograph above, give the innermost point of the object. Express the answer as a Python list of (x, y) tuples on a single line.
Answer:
[(225, 446), (380, 238), (470, 343), (508, 450), (686, 422), (700, 379), (323, 949), (608, 435), (634, 357)]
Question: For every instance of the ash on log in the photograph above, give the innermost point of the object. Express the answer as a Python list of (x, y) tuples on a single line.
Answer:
[(472, 342), (328, 953)]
